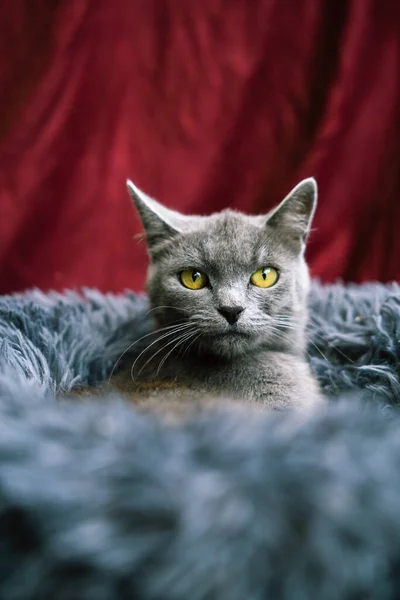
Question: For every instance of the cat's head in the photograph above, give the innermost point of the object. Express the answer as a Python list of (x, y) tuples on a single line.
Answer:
[(235, 282)]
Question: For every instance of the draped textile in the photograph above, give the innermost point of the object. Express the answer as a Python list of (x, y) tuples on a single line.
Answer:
[(205, 105)]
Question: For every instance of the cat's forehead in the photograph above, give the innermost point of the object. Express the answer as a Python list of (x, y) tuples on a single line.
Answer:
[(235, 229), (226, 238)]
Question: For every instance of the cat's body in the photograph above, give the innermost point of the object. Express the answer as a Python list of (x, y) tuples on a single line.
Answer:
[(275, 379), (228, 295)]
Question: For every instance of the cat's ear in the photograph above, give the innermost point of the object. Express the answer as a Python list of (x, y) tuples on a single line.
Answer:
[(294, 214), (160, 223)]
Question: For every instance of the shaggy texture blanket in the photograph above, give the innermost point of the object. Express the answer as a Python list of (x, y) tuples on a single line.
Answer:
[(100, 502)]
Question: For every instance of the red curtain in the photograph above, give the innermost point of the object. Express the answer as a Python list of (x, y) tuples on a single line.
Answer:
[(204, 105)]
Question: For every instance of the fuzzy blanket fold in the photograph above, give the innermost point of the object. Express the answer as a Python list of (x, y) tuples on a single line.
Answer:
[(99, 502)]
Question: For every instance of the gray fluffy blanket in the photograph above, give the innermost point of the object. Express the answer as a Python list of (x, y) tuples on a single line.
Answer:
[(99, 502)]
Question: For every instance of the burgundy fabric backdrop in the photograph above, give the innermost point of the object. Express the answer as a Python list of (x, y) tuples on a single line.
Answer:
[(204, 105)]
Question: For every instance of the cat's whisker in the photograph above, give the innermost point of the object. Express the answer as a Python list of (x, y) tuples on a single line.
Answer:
[(274, 324), (175, 329), (311, 341), (182, 333), (281, 335), (308, 340), (286, 339), (290, 321), (181, 340), (317, 348), (191, 344), (318, 335), (311, 319), (186, 337), (136, 342), (286, 325), (162, 306), (172, 330), (282, 320)]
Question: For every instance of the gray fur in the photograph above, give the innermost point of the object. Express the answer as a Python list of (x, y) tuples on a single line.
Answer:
[(261, 357)]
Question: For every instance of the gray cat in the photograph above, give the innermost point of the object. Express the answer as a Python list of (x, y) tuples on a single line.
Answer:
[(229, 295)]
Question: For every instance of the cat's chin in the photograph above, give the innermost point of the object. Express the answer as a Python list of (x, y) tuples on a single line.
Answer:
[(226, 345)]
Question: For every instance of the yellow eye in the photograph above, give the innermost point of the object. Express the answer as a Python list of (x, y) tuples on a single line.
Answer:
[(193, 279), (265, 277)]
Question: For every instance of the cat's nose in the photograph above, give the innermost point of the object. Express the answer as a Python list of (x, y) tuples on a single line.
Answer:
[(231, 313)]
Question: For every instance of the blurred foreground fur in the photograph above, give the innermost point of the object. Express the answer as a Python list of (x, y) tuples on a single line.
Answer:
[(99, 501)]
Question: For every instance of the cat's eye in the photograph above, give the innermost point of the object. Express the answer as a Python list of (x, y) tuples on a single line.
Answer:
[(193, 279), (265, 277)]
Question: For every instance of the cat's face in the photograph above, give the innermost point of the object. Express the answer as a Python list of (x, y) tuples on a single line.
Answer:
[(231, 283)]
